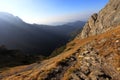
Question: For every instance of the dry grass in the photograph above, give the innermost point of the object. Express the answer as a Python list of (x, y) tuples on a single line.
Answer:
[(47, 65)]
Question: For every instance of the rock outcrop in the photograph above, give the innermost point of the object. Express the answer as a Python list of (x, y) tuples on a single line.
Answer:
[(92, 58), (106, 19)]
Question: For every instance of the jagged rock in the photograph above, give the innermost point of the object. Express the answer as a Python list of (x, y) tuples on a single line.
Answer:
[(98, 58), (106, 19)]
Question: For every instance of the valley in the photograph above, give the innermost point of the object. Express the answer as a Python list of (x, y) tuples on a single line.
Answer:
[(91, 53)]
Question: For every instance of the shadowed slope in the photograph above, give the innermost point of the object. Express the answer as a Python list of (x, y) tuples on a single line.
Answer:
[(102, 53), (33, 38)]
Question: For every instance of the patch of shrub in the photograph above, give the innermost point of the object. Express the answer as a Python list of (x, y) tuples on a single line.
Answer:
[(57, 51)]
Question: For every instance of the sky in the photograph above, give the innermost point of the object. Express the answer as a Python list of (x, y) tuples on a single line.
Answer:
[(52, 11)]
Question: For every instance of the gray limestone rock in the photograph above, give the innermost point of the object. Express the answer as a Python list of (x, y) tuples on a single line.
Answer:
[(105, 20)]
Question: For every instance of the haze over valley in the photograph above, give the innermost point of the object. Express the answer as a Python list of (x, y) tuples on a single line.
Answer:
[(60, 40)]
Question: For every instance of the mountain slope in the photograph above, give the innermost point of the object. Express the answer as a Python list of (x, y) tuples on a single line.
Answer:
[(11, 58), (92, 55), (35, 39), (106, 19), (96, 57)]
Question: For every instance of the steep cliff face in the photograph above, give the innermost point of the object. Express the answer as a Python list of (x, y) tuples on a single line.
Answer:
[(106, 19), (92, 58)]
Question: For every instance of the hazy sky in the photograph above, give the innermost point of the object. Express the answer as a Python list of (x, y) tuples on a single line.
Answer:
[(52, 11)]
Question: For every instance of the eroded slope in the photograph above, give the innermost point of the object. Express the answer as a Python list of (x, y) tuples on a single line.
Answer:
[(93, 58), (103, 21)]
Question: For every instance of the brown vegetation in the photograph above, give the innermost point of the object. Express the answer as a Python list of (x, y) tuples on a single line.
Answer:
[(104, 48)]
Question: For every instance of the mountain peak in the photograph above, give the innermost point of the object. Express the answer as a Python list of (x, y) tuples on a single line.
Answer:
[(9, 17), (95, 57), (103, 21), (5, 13)]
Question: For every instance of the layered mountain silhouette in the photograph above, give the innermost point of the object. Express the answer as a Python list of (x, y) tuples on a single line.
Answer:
[(93, 55), (34, 38)]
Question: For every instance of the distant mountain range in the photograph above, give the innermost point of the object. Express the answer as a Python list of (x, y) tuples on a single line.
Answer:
[(34, 38), (93, 55)]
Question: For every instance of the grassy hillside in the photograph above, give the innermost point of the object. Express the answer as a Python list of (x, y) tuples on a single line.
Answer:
[(101, 48)]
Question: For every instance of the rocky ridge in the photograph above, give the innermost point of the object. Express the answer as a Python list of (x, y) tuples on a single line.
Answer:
[(107, 18), (95, 57)]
